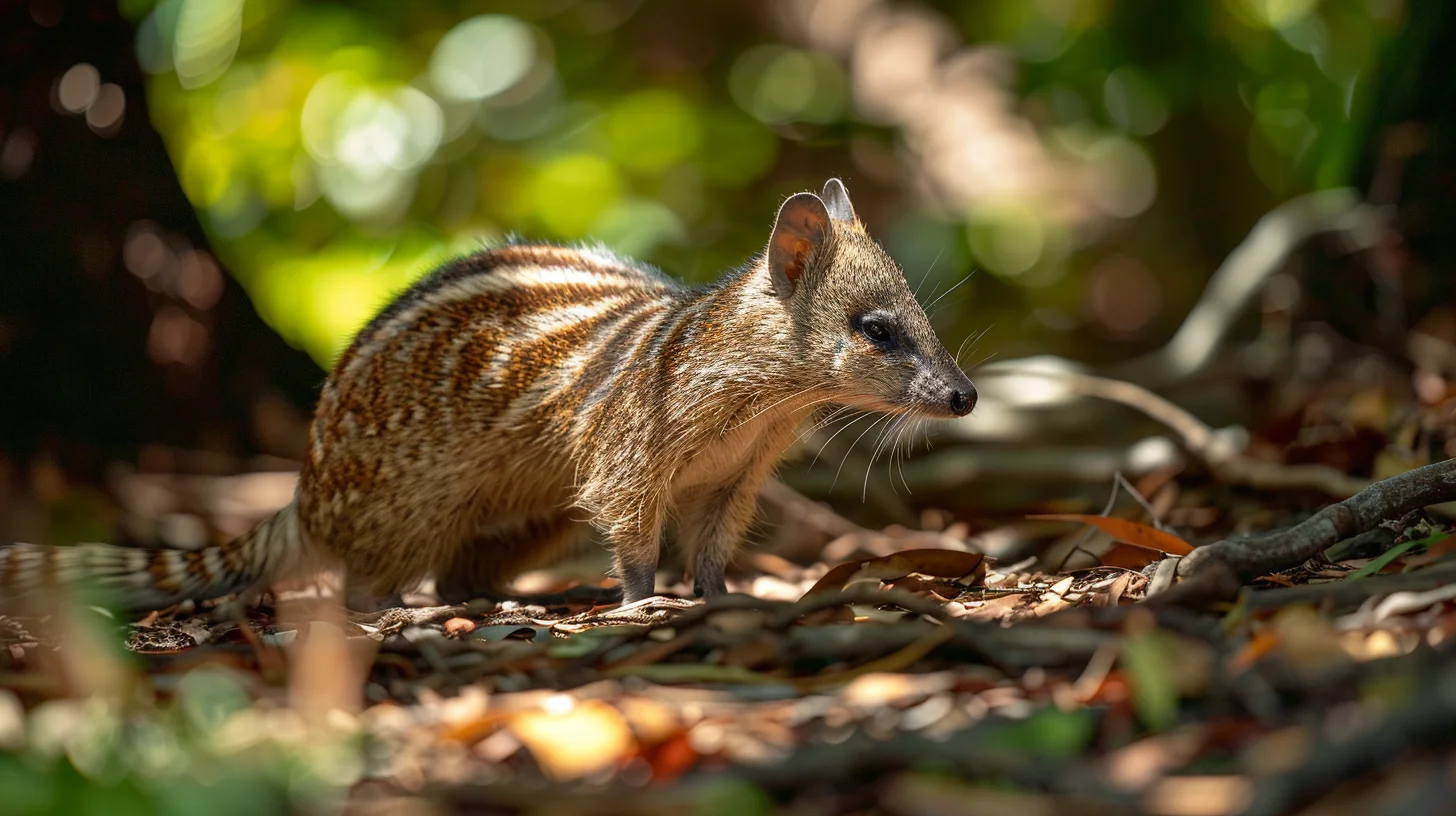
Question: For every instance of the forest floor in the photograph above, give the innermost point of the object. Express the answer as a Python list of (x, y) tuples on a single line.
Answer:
[(887, 677)]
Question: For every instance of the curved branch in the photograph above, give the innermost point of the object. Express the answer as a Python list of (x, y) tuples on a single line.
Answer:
[(1239, 278), (1388, 498)]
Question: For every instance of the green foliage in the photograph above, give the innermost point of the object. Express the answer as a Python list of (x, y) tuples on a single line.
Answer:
[(208, 751), (335, 151)]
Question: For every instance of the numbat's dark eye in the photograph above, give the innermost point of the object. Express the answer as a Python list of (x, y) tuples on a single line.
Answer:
[(877, 329)]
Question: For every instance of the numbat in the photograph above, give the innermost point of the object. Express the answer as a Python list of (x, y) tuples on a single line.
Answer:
[(477, 424)]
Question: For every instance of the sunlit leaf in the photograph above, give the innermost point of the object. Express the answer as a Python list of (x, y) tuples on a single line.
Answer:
[(1128, 532), (586, 737)]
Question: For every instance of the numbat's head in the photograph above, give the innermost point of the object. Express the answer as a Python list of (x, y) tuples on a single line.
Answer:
[(861, 331)]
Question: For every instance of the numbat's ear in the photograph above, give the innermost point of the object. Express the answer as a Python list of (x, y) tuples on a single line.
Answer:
[(800, 234), (836, 200)]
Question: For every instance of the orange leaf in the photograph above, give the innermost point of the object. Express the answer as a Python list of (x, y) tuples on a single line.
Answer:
[(1259, 645), (932, 562), (1127, 557), (1128, 532), (672, 758)]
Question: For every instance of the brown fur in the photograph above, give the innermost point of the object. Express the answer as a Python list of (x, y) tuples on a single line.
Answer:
[(498, 407)]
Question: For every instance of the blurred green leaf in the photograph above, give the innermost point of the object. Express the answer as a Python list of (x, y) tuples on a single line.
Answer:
[(730, 797), (1048, 732), (1148, 659)]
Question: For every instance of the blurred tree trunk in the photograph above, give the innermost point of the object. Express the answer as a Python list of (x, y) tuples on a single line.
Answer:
[(1408, 159), (75, 372)]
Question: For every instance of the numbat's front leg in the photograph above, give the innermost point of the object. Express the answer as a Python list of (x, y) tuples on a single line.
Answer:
[(713, 527), (635, 549)]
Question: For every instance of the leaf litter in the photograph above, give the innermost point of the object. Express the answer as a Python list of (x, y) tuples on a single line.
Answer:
[(902, 678)]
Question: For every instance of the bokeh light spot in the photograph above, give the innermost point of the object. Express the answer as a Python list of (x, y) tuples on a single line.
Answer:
[(207, 36), (1271, 13), (175, 337), (777, 84), (1008, 237), (572, 191), (206, 171), (653, 130), (636, 227), (1133, 103), (199, 281), (482, 57), (144, 253), (931, 251), (1121, 180), (736, 149), (105, 114), (1123, 295), (78, 87)]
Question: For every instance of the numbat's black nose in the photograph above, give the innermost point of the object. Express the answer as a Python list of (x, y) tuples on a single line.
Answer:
[(961, 402)]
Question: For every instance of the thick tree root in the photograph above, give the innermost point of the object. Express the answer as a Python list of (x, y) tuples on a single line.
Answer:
[(1213, 569)]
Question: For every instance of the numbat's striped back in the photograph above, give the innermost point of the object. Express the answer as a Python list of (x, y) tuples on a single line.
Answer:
[(503, 406)]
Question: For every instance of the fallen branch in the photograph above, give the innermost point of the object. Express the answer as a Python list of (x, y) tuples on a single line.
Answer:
[(1218, 450), (1275, 237), (949, 469), (1270, 244), (1388, 498)]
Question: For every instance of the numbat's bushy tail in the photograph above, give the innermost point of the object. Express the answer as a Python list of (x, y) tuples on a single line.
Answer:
[(515, 398), (142, 578)]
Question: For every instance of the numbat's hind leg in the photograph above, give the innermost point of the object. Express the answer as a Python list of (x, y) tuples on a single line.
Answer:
[(484, 567)]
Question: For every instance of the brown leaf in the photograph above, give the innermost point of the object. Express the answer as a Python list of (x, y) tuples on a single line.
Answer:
[(1061, 588), (1128, 532), (1114, 591), (994, 608), (936, 563), (1054, 603)]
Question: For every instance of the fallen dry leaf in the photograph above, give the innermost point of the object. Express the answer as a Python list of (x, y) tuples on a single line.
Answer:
[(994, 608), (1114, 592), (1128, 532), (936, 563), (1128, 556)]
